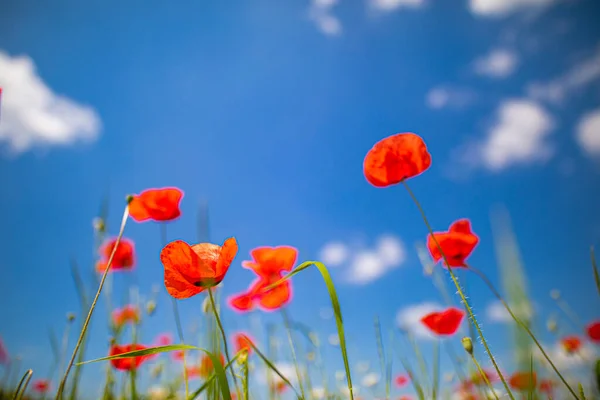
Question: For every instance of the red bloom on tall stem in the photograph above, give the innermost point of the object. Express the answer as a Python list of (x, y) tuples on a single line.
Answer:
[(127, 314), (523, 381), (242, 342), (396, 158), (269, 264), (189, 270), (401, 380), (156, 204), (130, 363), (457, 244), (41, 385), (444, 323), (571, 344), (124, 257), (593, 331)]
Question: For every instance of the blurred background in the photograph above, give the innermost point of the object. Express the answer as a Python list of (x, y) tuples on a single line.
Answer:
[(262, 111)]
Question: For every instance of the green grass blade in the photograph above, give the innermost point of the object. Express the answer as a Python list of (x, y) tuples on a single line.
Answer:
[(22, 387), (273, 368), (595, 266), (336, 310)]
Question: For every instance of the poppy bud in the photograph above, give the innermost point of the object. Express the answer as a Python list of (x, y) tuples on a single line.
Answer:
[(70, 317), (129, 198), (243, 357), (467, 344), (555, 294), (99, 225), (552, 325), (150, 307), (206, 305)]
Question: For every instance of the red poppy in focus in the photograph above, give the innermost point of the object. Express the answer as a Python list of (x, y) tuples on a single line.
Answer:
[(189, 270), (401, 380), (457, 244), (41, 385), (242, 342), (593, 331), (571, 344), (547, 386), (130, 363), (156, 204), (396, 158), (3, 353), (206, 365), (128, 314), (124, 257), (269, 264), (523, 381), (444, 323)]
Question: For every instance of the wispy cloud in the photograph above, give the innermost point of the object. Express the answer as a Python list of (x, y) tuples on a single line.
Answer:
[(33, 115), (499, 63), (449, 97), (320, 12), (588, 133), (501, 8), (409, 318), (565, 361), (496, 313), (391, 5), (367, 264), (575, 79)]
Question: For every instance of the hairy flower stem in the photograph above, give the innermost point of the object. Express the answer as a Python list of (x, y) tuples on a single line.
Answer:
[(460, 292), (523, 325), (163, 236), (286, 322), (483, 375), (220, 325), (63, 381)]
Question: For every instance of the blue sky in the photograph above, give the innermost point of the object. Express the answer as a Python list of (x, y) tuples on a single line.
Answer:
[(266, 109)]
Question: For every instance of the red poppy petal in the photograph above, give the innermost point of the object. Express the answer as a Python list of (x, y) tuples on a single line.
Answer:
[(242, 302), (227, 254), (276, 297), (181, 266), (285, 258), (137, 210)]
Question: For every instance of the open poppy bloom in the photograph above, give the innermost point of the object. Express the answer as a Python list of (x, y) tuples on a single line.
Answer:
[(41, 385), (401, 380), (571, 344), (269, 264), (457, 244), (444, 323), (593, 331), (396, 158), (156, 204), (523, 381), (242, 342), (128, 314), (206, 365), (190, 270), (130, 363), (124, 257)]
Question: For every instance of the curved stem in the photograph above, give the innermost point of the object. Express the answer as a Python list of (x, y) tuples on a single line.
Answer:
[(523, 325), (63, 381), (460, 293), (286, 322), (483, 375), (23, 385)]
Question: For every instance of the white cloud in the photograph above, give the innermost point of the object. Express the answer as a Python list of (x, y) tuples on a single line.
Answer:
[(448, 97), (326, 313), (33, 115), (577, 78), (318, 392), (287, 369), (565, 361), (371, 379), (499, 63), (362, 366), (334, 339), (497, 313), (519, 135), (368, 264), (588, 133), (334, 254), (390, 5), (409, 319), (320, 13), (499, 8)]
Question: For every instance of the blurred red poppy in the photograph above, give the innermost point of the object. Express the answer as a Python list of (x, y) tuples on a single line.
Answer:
[(130, 363), (547, 386), (164, 339), (593, 331), (189, 270), (269, 264), (127, 314), (41, 385), (396, 158), (523, 381), (206, 365), (571, 344), (457, 244), (156, 204), (124, 257), (242, 342), (3, 353), (401, 380), (444, 323), (177, 355)]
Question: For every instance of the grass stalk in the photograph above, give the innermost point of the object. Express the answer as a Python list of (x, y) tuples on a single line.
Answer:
[(286, 322)]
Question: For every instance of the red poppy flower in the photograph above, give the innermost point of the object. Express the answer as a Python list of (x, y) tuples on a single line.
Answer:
[(401, 380), (193, 371), (189, 270), (3, 353), (457, 244), (547, 386), (445, 322), (268, 263), (130, 363), (164, 339), (206, 365), (178, 355), (41, 385), (156, 204), (396, 158), (593, 331), (242, 342), (124, 257), (571, 344), (523, 381), (280, 387), (128, 314)]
